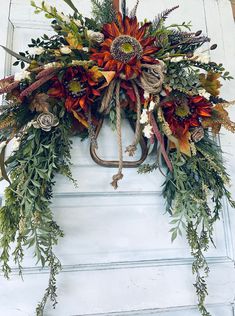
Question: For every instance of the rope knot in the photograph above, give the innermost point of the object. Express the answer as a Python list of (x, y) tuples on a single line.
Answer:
[(131, 149), (116, 178)]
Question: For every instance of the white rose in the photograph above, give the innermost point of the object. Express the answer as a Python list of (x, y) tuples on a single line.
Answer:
[(144, 117), (89, 33), (52, 65), (36, 50), (204, 93), (148, 131), (176, 59), (65, 50), (95, 36), (22, 75), (16, 143), (152, 106), (86, 49), (202, 58)]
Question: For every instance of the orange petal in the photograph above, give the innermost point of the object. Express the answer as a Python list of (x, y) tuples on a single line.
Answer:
[(80, 119), (184, 144)]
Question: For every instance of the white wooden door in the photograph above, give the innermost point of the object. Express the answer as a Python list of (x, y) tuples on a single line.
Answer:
[(117, 255)]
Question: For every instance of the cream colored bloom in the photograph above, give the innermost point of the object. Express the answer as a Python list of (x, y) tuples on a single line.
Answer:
[(204, 93), (36, 50), (86, 49), (144, 117), (202, 58), (65, 50), (176, 59), (95, 36), (22, 75), (148, 131), (52, 65), (152, 106), (16, 143)]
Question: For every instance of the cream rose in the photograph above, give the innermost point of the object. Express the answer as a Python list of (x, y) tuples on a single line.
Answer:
[(65, 50), (46, 121)]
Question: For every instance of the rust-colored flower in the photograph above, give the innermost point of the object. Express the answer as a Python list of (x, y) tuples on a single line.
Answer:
[(126, 47), (184, 113), (78, 86)]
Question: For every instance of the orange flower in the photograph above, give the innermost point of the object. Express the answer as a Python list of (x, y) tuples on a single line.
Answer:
[(184, 113), (79, 87), (126, 47)]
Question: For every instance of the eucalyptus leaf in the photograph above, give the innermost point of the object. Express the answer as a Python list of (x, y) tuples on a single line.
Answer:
[(18, 56), (72, 6)]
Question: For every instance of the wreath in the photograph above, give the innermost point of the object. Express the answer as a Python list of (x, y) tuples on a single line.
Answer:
[(112, 67)]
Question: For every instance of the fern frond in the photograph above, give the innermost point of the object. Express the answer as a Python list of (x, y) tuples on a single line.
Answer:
[(134, 10), (162, 17), (123, 6), (104, 11)]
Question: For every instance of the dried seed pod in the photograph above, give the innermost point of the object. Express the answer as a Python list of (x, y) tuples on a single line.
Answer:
[(198, 33), (213, 47), (197, 134)]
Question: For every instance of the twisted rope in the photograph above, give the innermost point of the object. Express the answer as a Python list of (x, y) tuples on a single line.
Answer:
[(131, 149), (91, 130), (119, 175), (107, 97), (152, 78)]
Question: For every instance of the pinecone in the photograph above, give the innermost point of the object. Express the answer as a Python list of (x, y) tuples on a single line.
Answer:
[(197, 134)]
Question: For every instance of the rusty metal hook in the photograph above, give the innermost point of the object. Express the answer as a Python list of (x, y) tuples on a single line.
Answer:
[(113, 163)]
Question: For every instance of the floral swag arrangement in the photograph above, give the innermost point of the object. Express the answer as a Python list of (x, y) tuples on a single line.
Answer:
[(110, 67)]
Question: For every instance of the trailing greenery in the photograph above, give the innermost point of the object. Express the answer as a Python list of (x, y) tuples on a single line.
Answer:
[(194, 194), (26, 218)]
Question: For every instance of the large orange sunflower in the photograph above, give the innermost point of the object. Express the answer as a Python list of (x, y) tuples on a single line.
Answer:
[(126, 47)]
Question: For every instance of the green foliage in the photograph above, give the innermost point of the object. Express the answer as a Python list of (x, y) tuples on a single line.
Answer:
[(209, 67), (161, 18), (194, 193), (183, 79), (103, 11), (26, 217)]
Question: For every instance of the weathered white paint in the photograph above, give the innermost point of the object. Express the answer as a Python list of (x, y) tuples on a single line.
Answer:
[(117, 255)]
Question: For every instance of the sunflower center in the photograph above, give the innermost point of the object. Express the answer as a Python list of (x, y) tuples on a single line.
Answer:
[(74, 88), (182, 110), (125, 47)]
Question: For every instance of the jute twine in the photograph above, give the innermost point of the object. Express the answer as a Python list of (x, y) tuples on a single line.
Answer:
[(151, 81), (119, 175)]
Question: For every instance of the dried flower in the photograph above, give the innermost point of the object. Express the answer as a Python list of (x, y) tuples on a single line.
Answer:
[(65, 50), (144, 117), (52, 65), (152, 105), (40, 103), (148, 131), (46, 121), (96, 37), (22, 75), (36, 50)]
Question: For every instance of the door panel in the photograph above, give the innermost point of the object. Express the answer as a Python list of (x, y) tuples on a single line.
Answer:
[(117, 255)]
